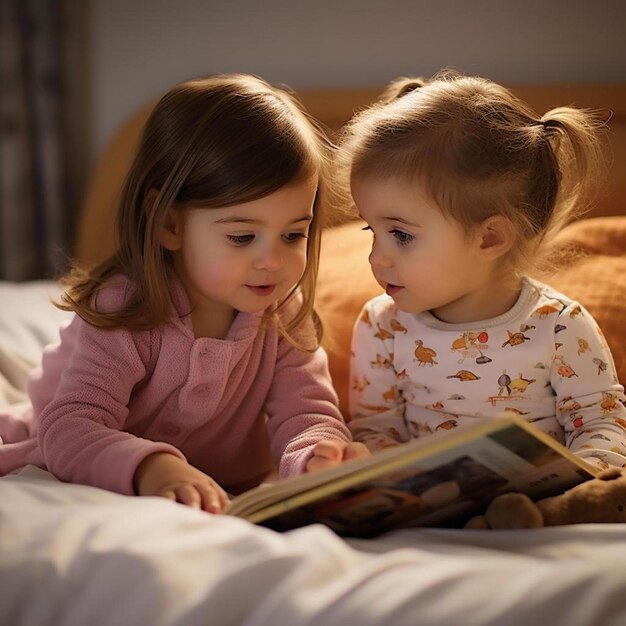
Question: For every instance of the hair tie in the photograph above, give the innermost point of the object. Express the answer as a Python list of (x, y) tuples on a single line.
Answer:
[(551, 128), (408, 88)]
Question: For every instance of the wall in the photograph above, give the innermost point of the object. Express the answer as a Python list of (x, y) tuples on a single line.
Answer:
[(139, 48)]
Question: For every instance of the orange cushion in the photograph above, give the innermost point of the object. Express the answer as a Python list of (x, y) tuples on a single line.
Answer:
[(598, 282), (345, 283), (96, 228)]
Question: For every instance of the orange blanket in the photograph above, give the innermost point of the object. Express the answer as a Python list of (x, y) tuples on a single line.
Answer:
[(597, 281)]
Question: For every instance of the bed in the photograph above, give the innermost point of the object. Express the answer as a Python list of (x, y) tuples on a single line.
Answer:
[(76, 555)]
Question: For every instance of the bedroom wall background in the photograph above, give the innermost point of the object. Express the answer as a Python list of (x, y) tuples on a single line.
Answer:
[(120, 54), (124, 53), (139, 48)]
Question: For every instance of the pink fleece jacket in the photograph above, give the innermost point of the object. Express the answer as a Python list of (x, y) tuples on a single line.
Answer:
[(236, 407)]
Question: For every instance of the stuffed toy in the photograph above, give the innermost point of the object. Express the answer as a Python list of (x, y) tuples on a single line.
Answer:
[(601, 499)]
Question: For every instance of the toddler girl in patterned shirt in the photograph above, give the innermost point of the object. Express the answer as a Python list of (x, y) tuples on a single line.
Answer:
[(463, 185)]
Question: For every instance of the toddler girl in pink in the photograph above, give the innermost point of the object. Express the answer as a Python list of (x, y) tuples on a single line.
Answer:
[(193, 366)]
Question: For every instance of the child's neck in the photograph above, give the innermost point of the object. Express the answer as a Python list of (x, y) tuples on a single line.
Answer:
[(214, 323), (485, 303)]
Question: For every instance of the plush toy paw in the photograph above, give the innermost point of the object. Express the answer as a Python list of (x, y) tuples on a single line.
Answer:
[(507, 511), (478, 522), (513, 510), (599, 500)]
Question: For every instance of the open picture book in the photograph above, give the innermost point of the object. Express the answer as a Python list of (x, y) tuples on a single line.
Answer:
[(439, 480)]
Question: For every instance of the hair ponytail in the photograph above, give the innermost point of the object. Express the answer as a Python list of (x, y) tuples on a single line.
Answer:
[(574, 138), (401, 87), (478, 151)]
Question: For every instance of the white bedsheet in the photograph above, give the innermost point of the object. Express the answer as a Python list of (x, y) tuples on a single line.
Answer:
[(78, 556), (28, 322)]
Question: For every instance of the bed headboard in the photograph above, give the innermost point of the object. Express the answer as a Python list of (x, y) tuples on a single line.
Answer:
[(336, 107), (333, 107)]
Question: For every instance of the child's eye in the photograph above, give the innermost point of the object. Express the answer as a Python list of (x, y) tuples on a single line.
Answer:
[(240, 240), (401, 237), (293, 237), (367, 228)]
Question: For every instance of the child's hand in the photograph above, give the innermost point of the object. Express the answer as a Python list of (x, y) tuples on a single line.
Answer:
[(165, 475), (331, 452)]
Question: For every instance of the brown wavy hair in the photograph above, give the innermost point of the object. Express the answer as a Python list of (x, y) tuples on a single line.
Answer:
[(211, 142), (480, 151)]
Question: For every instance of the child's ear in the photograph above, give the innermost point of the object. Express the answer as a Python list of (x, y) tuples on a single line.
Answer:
[(171, 233), (172, 230), (496, 236)]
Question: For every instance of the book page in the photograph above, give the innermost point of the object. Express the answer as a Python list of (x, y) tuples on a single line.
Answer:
[(437, 481)]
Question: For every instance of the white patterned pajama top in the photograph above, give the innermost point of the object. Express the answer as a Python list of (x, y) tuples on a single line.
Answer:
[(546, 359)]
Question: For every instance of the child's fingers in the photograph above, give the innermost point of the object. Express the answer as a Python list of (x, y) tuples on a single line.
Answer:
[(222, 495), (169, 494), (210, 501), (214, 498), (355, 450), (329, 449), (189, 495), (328, 453), (317, 463)]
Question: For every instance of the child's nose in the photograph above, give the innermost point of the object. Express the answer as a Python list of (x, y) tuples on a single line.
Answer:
[(271, 259), (378, 258)]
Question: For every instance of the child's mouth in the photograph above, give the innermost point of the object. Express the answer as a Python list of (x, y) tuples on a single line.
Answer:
[(261, 290), (392, 289)]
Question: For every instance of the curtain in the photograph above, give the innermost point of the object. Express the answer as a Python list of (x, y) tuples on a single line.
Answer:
[(33, 214)]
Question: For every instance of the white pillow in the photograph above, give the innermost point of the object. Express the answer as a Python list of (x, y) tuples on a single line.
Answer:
[(28, 319), (28, 322)]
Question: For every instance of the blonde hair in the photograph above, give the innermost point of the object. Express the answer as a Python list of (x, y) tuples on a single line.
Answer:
[(479, 151), (211, 142)]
